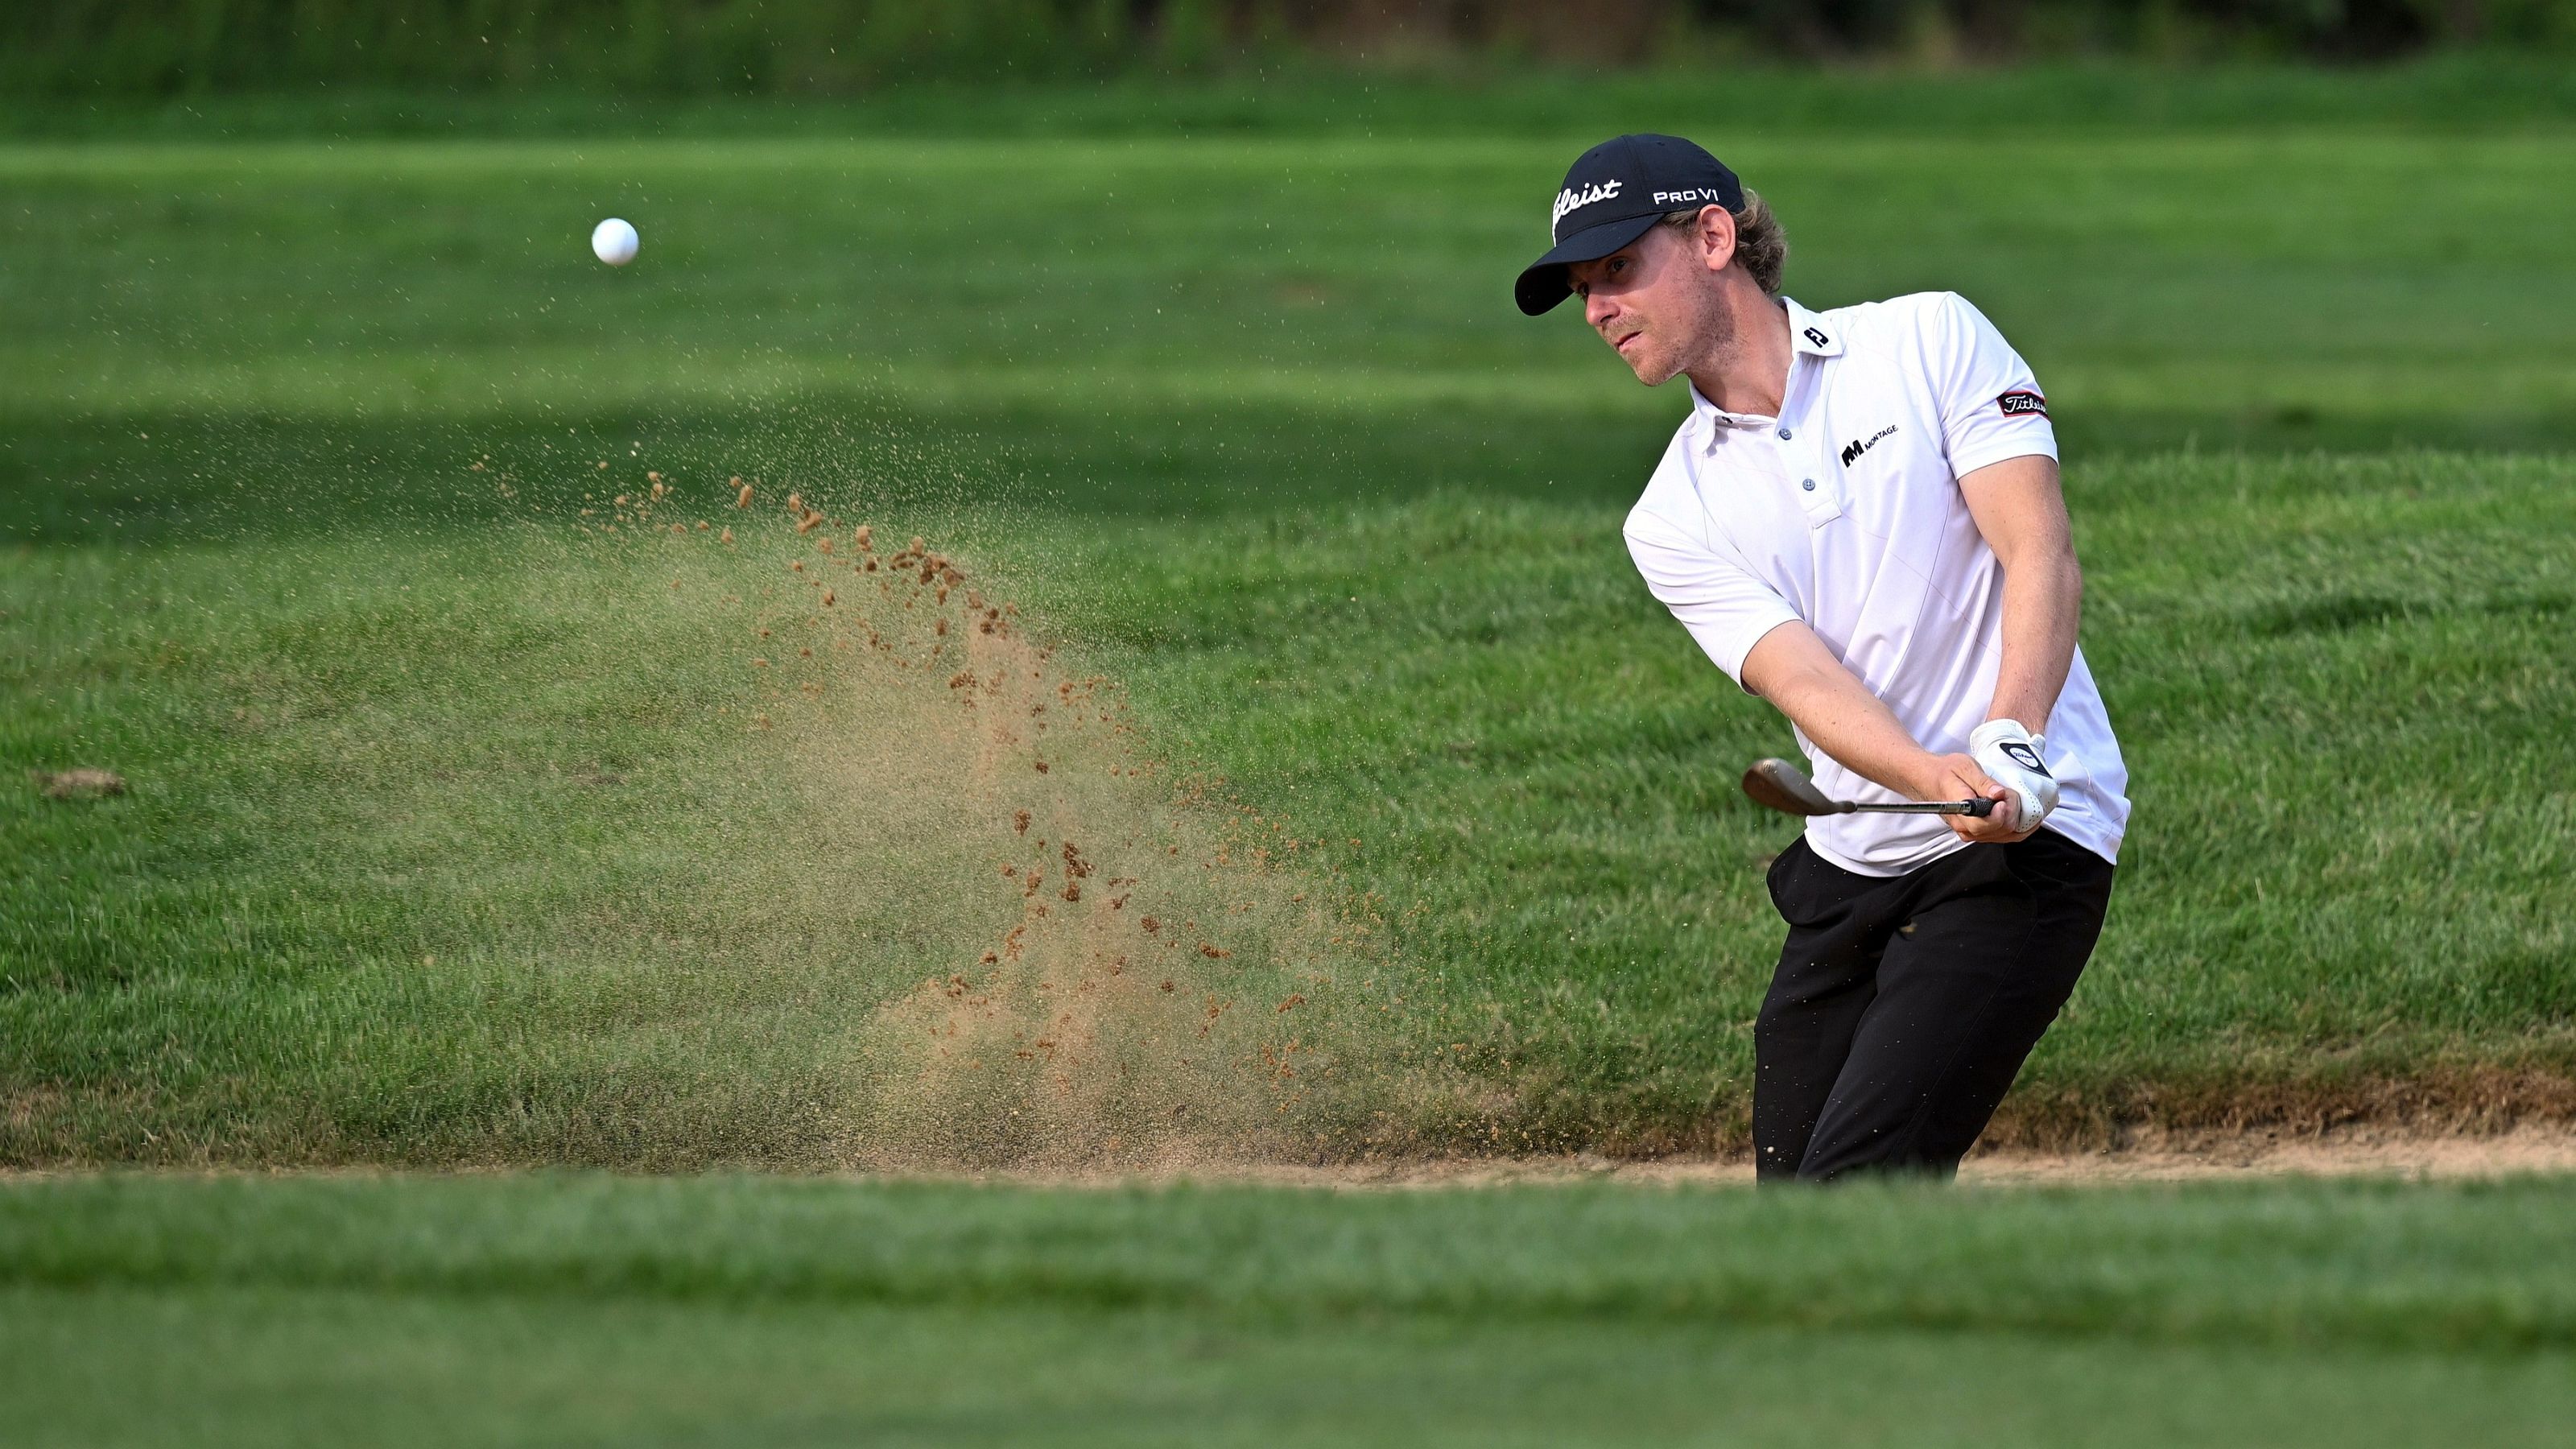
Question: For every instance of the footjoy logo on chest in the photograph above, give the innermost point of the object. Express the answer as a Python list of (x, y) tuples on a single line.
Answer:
[(1853, 450), (1568, 199), (2016, 404)]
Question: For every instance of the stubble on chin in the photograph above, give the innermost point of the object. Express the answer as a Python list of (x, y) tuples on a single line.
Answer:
[(1711, 337), (1656, 369), (1652, 364)]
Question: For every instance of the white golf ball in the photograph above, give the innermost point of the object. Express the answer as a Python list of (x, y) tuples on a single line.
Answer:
[(614, 241)]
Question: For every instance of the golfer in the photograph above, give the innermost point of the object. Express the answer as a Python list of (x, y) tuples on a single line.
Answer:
[(1860, 522)]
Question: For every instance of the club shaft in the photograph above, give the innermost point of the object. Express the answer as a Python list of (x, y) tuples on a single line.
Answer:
[(1927, 807)]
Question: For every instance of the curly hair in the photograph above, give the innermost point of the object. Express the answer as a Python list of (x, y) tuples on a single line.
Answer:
[(1760, 244)]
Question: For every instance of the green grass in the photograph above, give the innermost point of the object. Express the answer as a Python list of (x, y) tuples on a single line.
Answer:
[(1247, 421), (525, 1309)]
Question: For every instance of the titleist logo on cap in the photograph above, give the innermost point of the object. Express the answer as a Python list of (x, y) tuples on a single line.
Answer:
[(1611, 197), (1568, 199)]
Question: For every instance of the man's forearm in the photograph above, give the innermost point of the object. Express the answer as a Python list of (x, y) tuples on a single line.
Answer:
[(2043, 601), (1793, 669)]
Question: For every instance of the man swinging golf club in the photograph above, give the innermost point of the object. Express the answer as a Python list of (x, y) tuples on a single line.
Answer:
[(1860, 522)]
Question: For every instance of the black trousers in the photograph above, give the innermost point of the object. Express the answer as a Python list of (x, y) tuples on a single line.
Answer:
[(1904, 1005)]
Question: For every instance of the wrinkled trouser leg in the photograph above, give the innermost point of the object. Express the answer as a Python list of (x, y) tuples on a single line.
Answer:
[(1903, 1007)]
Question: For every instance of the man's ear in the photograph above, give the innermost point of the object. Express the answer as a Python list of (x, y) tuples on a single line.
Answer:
[(1716, 237)]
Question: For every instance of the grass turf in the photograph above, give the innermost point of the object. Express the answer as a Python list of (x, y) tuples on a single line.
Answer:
[(427, 1310), (1251, 423)]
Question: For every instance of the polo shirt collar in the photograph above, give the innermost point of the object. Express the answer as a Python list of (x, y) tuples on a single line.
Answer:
[(1809, 334)]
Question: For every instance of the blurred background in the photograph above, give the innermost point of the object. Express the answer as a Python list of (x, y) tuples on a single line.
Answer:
[(819, 47)]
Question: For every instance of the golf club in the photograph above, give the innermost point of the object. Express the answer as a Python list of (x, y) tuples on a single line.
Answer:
[(1781, 786)]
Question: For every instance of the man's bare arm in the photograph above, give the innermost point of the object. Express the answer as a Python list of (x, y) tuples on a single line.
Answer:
[(2021, 510), (1793, 669)]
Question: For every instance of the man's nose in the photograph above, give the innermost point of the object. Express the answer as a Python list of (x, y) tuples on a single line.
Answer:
[(1598, 309)]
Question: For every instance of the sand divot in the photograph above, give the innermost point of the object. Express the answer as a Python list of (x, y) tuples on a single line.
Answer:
[(78, 784)]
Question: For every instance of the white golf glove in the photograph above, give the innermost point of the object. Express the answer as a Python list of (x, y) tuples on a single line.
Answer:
[(2012, 755)]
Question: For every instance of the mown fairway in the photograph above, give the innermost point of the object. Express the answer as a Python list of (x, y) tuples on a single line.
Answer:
[(448, 840)]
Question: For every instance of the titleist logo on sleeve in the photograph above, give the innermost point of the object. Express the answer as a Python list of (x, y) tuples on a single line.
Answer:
[(2016, 403)]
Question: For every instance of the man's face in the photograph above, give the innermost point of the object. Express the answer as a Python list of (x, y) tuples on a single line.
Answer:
[(1654, 301)]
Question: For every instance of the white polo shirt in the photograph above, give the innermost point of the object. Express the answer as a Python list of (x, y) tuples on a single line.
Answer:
[(1845, 511)]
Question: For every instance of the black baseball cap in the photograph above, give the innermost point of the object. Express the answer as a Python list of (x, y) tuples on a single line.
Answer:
[(1614, 195)]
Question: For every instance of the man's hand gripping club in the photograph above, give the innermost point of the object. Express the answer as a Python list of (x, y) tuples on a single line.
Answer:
[(2011, 757)]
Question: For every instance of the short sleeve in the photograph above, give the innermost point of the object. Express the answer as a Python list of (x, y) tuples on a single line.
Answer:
[(1723, 605), (1991, 405)]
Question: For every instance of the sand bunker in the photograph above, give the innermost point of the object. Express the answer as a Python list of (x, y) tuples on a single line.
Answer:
[(2147, 1157)]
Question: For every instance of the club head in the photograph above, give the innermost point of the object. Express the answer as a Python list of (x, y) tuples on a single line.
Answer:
[(1779, 785)]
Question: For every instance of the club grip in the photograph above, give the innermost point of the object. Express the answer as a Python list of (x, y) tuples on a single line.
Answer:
[(1980, 808)]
